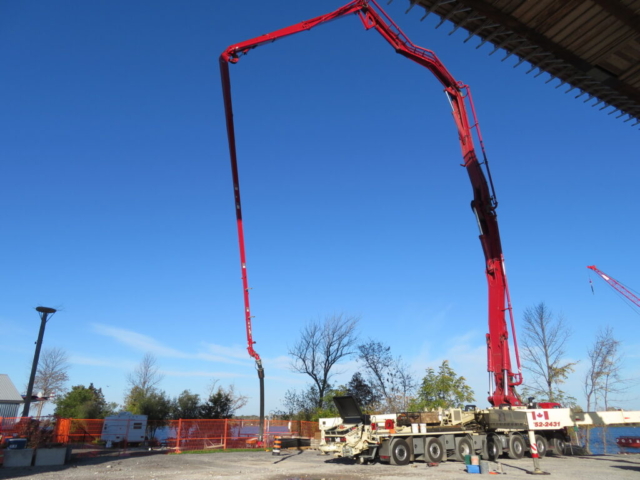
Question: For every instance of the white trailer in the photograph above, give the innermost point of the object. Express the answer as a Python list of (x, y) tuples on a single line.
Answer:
[(124, 427)]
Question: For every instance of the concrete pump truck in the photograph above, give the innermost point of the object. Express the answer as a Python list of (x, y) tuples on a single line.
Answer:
[(508, 426)]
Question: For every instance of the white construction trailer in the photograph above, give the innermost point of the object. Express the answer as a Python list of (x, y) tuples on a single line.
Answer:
[(124, 427)]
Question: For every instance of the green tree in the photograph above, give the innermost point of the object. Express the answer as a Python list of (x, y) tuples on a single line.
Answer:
[(186, 405), (222, 402), (84, 402), (442, 389), (217, 405), (362, 392), (328, 408), (156, 405), (144, 397)]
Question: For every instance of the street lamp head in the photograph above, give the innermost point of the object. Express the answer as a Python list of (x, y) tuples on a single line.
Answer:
[(46, 310)]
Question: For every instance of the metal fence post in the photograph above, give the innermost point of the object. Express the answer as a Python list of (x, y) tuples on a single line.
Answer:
[(265, 437), (178, 436)]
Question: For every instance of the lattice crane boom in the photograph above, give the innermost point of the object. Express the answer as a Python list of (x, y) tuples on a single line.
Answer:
[(617, 286)]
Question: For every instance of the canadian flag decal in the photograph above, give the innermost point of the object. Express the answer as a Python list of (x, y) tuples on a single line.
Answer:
[(540, 415)]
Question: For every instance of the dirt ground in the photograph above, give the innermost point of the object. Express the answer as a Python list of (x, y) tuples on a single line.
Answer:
[(306, 465)]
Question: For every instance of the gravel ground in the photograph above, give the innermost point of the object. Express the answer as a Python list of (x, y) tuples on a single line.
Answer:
[(306, 465)]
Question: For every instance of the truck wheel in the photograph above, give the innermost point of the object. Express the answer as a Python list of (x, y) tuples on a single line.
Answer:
[(400, 453), (558, 444), (463, 447), (516, 447), (493, 451), (434, 451), (543, 446)]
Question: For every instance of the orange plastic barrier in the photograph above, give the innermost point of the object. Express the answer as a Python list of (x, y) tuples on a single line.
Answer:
[(178, 435)]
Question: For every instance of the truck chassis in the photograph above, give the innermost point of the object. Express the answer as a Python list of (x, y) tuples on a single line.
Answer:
[(442, 435)]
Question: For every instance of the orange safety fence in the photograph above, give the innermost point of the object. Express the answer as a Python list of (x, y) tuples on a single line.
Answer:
[(178, 435), (10, 426), (78, 431), (235, 433)]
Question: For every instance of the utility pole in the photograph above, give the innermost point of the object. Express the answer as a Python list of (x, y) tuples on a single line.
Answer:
[(44, 313)]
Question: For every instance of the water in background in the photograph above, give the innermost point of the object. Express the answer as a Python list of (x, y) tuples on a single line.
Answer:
[(609, 446)]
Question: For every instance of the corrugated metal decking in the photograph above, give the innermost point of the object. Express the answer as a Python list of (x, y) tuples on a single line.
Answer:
[(10, 398), (592, 47)]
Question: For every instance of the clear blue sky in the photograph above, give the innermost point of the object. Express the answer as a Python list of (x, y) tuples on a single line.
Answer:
[(117, 205)]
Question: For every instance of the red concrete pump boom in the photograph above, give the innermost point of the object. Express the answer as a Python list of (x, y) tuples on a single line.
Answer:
[(617, 286), (484, 202)]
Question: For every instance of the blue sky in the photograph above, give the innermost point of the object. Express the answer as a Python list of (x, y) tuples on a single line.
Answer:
[(117, 204)]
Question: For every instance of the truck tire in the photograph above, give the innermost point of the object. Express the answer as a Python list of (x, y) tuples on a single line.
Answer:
[(543, 446), (463, 447), (434, 450), (400, 452), (516, 446), (494, 448), (557, 445)]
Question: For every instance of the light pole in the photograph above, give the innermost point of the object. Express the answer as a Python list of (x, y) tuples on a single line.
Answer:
[(44, 313)]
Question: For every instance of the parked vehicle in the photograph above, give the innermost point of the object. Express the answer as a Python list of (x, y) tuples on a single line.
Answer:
[(124, 426)]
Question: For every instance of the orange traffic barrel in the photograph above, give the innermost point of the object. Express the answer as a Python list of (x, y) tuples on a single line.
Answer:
[(277, 443)]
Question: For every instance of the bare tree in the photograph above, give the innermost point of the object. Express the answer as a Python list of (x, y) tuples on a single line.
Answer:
[(51, 375), (378, 361), (301, 405), (603, 375), (146, 377), (391, 377), (612, 381), (321, 346), (403, 384), (544, 346)]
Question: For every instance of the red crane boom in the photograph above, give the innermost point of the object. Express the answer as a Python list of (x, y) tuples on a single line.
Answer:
[(617, 286), (484, 202)]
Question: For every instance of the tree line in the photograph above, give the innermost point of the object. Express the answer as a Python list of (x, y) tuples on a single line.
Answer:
[(384, 382), (142, 397)]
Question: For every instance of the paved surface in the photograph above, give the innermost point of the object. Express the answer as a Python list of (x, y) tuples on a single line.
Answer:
[(308, 465)]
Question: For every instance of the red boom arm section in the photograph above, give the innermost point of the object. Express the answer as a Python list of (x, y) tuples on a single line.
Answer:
[(483, 204)]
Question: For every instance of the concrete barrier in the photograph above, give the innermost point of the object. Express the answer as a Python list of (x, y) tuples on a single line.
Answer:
[(51, 456), (18, 457)]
